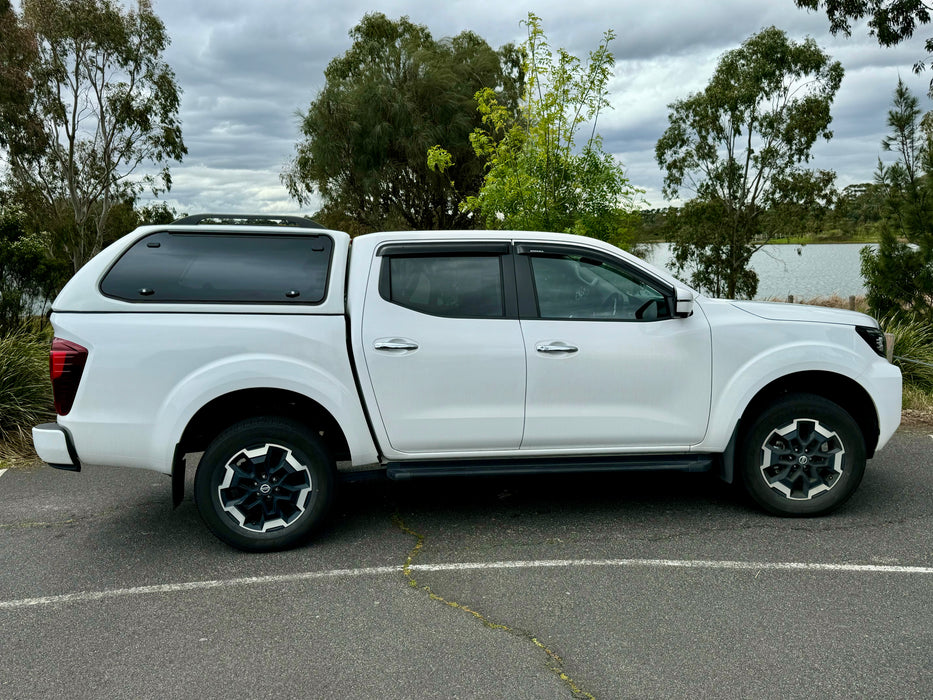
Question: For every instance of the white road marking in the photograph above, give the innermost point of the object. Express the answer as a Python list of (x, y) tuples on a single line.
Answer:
[(3, 471), (680, 564), (87, 596)]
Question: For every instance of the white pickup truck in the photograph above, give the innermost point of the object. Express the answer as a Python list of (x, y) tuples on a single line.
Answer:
[(280, 350)]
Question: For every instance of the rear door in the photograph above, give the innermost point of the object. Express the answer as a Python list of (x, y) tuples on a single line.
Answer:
[(443, 347), (609, 365)]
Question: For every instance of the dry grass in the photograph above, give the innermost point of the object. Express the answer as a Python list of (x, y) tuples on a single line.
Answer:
[(18, 456), (918, 401), (835, 301)]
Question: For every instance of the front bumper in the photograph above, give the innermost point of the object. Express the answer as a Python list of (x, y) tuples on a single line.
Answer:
[(885, 385), (54, 446)]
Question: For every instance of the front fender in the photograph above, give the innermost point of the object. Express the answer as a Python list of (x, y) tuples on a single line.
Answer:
[(734, 391)]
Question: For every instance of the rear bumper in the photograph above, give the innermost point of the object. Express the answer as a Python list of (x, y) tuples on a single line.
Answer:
[(54, 446)]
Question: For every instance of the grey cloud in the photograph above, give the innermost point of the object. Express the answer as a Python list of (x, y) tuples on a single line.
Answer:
[(248, 67)]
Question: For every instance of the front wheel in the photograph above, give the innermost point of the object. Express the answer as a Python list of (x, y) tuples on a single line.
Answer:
[(803, 456), (264, 483)]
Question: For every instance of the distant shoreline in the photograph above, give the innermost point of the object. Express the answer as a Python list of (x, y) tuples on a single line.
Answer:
[(801, 241)]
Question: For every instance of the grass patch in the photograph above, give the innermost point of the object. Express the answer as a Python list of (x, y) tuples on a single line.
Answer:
[(25, 390), (918, 400), (913, 352)]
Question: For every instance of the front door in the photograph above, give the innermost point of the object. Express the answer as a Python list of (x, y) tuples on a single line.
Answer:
[(609, 365)]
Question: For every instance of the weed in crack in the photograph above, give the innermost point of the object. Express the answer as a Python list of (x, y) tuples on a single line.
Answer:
[(554, 662)]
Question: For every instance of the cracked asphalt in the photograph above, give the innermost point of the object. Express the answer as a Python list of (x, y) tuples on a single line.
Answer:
[(371, 609)]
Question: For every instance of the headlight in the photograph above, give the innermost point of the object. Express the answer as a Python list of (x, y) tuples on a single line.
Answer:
[(875, 339)]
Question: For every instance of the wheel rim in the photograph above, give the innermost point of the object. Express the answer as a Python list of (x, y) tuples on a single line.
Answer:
[(265, 488), (802, 460)]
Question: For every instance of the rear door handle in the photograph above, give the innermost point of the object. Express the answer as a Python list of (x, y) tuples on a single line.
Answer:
[(555, 347), (395, 344)]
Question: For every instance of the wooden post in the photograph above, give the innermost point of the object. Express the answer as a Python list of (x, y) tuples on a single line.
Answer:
[(889, 344), (790, 298), (852, 303)]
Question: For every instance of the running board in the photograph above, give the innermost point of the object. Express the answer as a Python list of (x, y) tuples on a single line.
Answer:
[(399, 471)]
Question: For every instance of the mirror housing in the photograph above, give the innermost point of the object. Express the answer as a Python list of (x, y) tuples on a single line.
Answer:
[(683, 302)]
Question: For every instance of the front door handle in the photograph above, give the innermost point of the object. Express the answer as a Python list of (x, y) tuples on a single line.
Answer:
[(555, 347), (395, 344)]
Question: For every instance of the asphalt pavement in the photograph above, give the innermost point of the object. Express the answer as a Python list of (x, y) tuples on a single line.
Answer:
[(607, 586)]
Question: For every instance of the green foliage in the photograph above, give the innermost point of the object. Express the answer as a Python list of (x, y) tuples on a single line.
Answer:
[(717, 267), (899, 275), (107, 103), (29, 277), (395, 93), (25, 390), (913, 339), (536, 176), (154, 213), (889, 21), (739, 146), (857, 213), (17, 52), (896, 278)]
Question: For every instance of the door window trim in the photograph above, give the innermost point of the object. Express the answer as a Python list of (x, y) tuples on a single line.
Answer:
[(528, 295), (496, 249)]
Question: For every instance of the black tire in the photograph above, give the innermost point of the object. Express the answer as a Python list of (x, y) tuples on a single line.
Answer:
[(803, 456), (263, 484)]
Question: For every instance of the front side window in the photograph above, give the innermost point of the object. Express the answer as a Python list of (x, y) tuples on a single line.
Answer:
[(202, 267), (577, 287), (462, 286)]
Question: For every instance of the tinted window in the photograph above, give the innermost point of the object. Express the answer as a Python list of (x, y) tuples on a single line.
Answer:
[(222, 268), (571, 286), (450, 285)]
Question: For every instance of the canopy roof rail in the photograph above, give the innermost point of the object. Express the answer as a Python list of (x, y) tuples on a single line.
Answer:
[(248, 220)]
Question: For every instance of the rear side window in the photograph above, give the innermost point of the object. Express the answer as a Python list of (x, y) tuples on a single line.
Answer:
[(464, 286), (198, 267)]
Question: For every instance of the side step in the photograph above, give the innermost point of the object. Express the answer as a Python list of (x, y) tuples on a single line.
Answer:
[(399, 471)]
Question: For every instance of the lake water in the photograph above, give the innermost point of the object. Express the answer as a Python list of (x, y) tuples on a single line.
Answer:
[(816, 270)]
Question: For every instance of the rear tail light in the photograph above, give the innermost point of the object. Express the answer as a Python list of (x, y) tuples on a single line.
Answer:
[(66, 365)]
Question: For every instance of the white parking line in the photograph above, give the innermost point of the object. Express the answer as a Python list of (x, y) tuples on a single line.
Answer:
[(2, 472), (86, 596)]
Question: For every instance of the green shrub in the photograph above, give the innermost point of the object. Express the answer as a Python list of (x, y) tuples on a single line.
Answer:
[(29, 276), (25, 389), (913, 339)]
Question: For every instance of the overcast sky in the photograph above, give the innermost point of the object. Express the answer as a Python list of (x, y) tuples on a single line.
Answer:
[(247, 67)]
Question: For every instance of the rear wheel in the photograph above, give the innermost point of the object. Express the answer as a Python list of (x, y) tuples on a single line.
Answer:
[(264, 483), (803, 456)]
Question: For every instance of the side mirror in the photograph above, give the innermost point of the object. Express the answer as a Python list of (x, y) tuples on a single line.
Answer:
[(683, 302)]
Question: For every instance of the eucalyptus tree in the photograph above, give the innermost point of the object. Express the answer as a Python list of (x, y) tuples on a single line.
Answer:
[(889, 21), (392, 95), (107, 104), (20, 128), (740, 146)]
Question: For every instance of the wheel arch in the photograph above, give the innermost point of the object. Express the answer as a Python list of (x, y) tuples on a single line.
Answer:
[(841, 390), (225, 410)]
